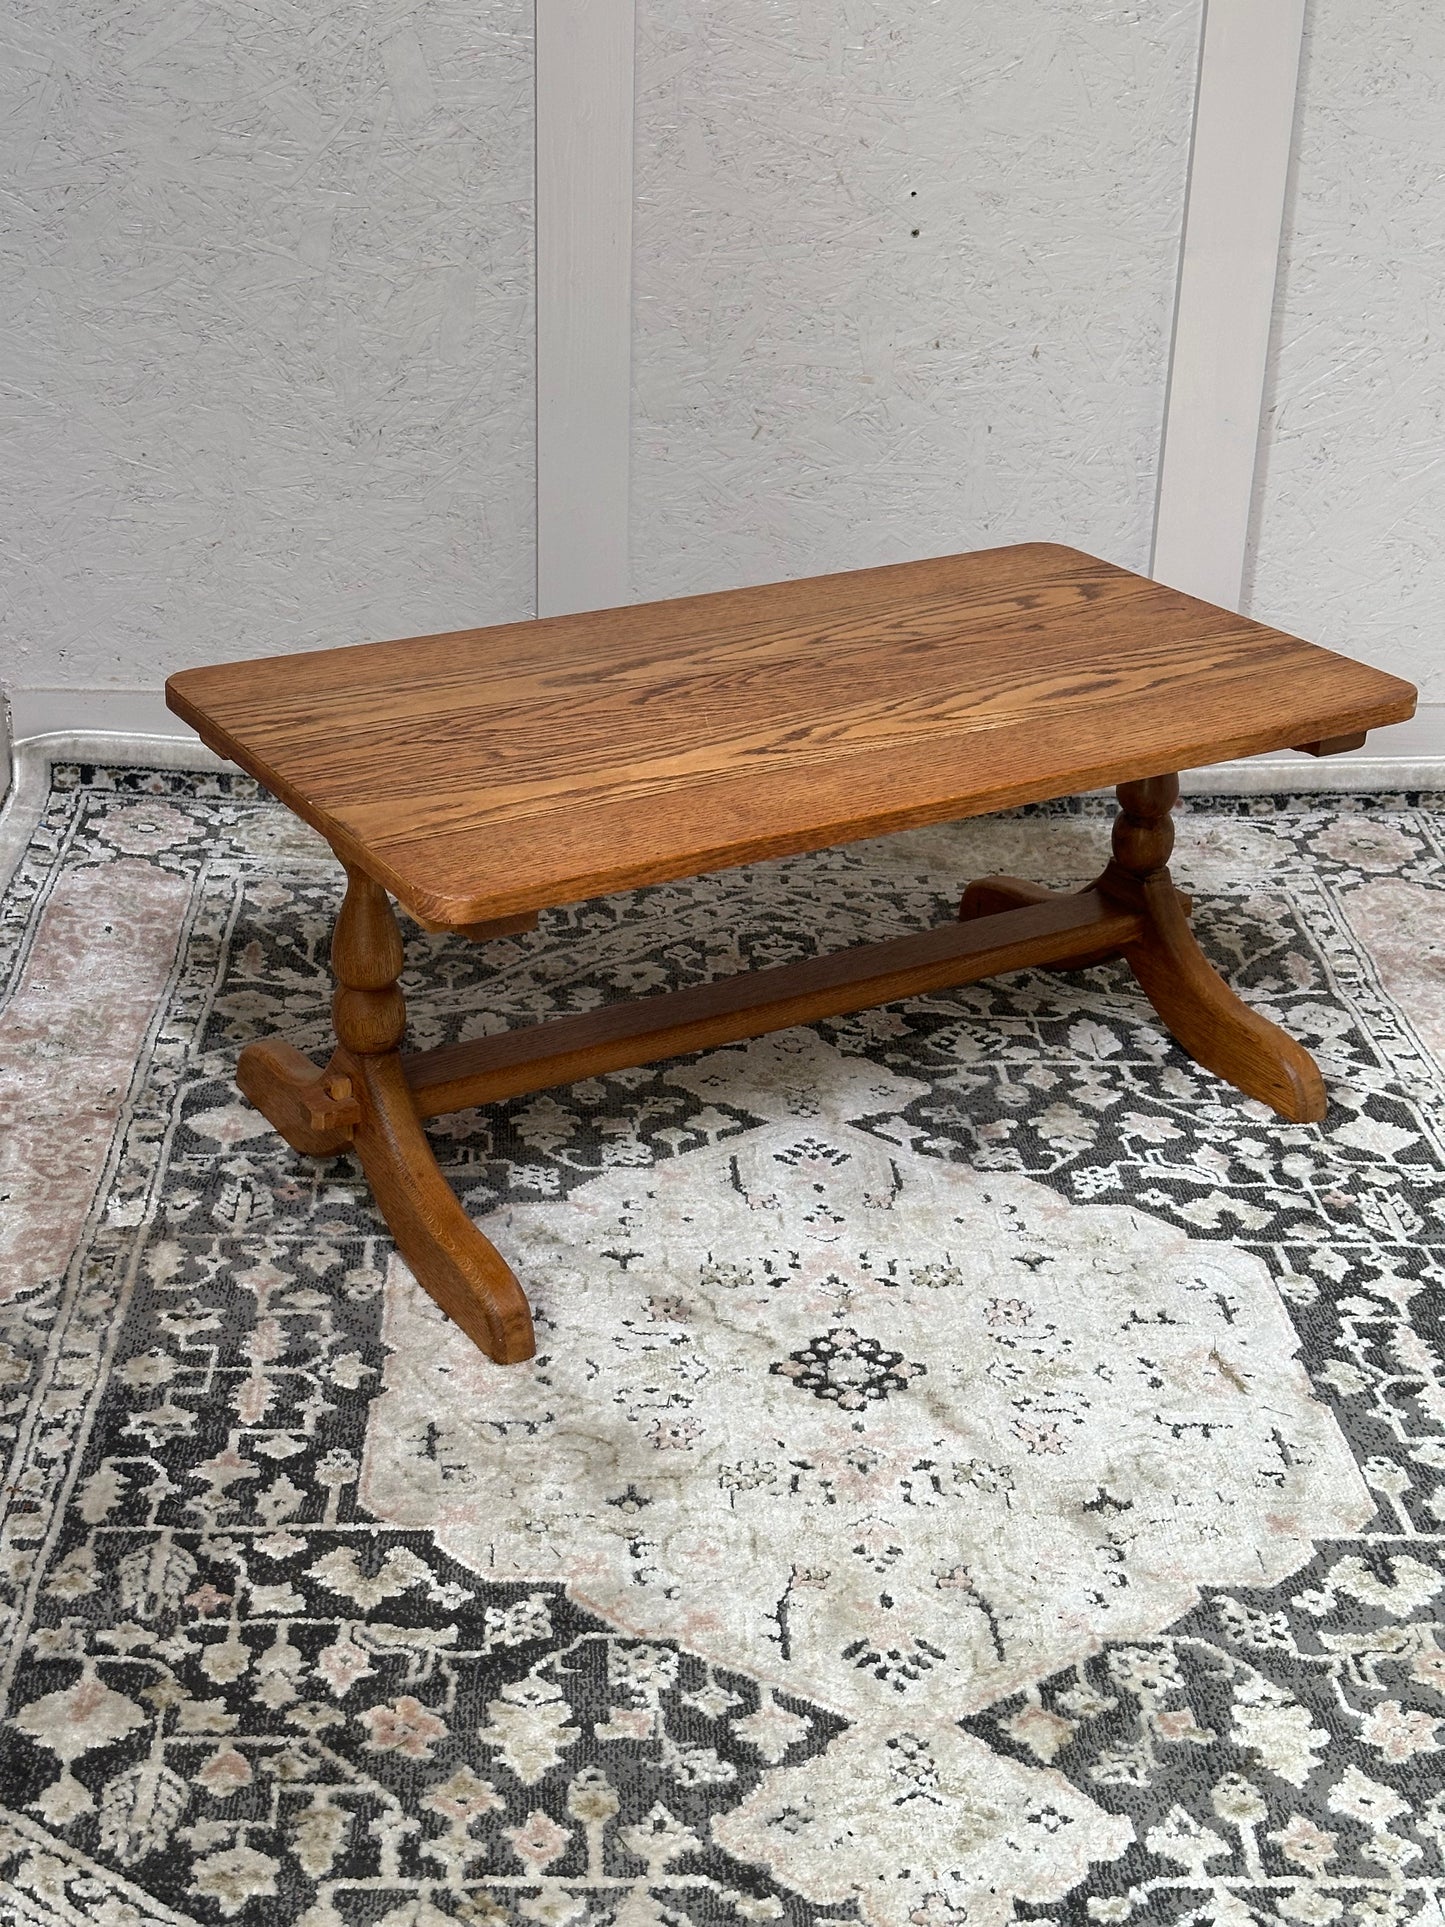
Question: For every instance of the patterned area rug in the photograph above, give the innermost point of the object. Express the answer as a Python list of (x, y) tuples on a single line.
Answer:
[(977, 1467)]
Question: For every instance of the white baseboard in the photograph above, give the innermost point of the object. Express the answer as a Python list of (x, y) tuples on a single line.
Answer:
[(126, 749), (1305, 775), (1405, 756), (33, 756), (122, 712), (143, 712), (1408, 756)]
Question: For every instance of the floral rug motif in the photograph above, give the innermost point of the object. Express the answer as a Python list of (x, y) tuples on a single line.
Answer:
[(977, 1468)]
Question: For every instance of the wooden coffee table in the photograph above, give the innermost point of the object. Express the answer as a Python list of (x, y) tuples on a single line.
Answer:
[(483, 776)]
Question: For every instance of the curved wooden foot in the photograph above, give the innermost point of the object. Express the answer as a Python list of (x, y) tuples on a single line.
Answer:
[(463, 1271), (364, 1103), (468, 1277), (1217, 1028), (314, 1110), (362, 1100), (1202, 1013)]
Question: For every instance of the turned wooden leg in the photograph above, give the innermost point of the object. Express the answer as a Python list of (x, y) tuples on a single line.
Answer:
[(467, 1276), (362, 1100), (1204, 1015)]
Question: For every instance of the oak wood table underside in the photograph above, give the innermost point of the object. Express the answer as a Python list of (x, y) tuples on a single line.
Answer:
[(598, 778)]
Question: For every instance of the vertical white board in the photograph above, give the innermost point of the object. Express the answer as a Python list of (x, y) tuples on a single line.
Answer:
[(1244, 118), (1350, 501), (904, 280), (584, 301)]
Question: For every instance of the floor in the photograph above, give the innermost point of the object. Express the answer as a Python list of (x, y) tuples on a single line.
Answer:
[(977, 1467)]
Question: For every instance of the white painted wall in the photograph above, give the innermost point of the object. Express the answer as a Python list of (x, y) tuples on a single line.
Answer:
[(817, 386), (266, 296), (1349, 529), (267, 312)]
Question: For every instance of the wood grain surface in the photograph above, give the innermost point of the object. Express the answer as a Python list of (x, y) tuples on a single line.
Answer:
[(491, 772)]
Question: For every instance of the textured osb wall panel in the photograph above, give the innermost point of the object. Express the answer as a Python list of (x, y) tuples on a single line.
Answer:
[(1350, 504), (266, 298), (905, 274)]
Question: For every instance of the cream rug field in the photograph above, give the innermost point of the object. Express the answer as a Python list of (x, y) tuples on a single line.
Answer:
[(977, 1467)]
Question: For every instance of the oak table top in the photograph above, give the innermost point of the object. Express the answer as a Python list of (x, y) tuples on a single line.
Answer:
[(490, 772)]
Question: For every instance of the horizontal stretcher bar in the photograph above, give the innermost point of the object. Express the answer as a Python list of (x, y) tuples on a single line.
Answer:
[(486, 1069)]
